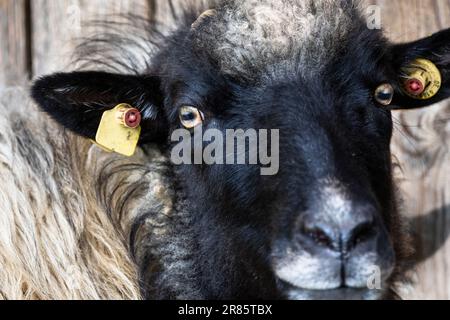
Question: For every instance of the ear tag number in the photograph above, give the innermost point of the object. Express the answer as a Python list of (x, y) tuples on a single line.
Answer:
[(119, 130), (423, 79)]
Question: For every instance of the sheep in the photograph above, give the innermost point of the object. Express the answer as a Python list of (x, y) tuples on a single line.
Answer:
[(79, 222)]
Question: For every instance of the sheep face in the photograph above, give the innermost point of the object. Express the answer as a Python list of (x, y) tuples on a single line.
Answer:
[(325, 223)]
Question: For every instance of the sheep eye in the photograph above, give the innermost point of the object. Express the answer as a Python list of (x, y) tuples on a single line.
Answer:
[(384, 94), (191, 117)]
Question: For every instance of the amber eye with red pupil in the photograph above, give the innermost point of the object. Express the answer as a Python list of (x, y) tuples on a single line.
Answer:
[(132, 118)]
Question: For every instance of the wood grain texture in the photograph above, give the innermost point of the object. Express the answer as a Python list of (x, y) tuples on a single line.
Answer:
[(422, 146), (59, 24), (13, 43)]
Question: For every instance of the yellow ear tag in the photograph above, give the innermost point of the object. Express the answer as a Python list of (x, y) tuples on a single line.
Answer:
[(423, 79), (119, 130)]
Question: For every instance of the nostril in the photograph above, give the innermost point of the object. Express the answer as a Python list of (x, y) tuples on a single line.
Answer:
[(318, 235), (321, 238), (361, 234)]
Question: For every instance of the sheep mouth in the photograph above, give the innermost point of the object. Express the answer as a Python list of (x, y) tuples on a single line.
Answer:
[(340, 293)]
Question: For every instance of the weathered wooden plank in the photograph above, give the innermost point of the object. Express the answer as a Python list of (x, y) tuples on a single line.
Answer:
[(422, 146), (57, 24), (167, 11), (13, 43)]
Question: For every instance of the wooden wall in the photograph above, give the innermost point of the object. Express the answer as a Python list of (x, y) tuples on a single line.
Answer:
[(36, 37), (422, 146), (13, 42)]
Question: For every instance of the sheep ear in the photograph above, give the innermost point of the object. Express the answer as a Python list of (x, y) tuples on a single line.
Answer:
[(78, 100), (431, 54)]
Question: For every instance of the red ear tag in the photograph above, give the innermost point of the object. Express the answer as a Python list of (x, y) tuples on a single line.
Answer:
[(415, 87), (129, 117)]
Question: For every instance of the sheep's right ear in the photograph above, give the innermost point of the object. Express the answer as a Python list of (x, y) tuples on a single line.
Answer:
[(78, 100), (430, 58)]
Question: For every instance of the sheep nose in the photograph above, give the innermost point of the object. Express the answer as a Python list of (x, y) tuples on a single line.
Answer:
[(342, 234)]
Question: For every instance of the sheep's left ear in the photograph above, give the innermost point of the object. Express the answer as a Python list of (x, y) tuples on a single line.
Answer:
[(435, 49), (78, 100)]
